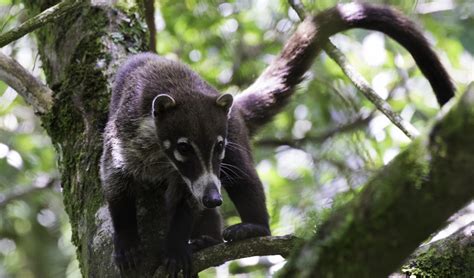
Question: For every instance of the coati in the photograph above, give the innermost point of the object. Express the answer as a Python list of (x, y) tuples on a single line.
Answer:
[(167, 125)]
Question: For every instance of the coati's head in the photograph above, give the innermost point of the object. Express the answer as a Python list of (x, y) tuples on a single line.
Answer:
[(192, 129)]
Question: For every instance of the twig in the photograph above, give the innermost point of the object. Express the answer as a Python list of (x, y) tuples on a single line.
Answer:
[(51, 14), (320, 138), (361, 84), (221, 253), (149, 11), (29, 87)]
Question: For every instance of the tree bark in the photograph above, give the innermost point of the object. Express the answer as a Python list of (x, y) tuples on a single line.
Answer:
[(449, 257), (400, 207), (80, 55)]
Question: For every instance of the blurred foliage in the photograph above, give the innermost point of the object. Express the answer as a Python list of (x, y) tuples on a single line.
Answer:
[(229, 44)]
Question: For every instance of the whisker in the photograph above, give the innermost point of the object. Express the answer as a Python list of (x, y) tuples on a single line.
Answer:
[(227, 176), (236, 174), (236, 146), (234, 167)]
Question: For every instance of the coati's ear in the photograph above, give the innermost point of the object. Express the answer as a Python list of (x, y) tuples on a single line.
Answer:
[(161, 103), (225, 101)]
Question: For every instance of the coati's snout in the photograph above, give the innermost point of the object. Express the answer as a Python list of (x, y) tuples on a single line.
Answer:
[(212, 198)]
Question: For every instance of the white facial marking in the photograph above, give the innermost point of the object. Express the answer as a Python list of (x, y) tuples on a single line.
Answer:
[(183, 140), (220, 139), (222, 154), (186, 180), (178, 156), (167, 144), (205, 179), (199, 185)]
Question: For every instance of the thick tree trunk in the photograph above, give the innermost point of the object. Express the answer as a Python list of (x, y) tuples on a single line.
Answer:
[(80, 55)]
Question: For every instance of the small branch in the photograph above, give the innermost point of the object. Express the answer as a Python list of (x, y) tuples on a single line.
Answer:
[(221, 253), (357, 123), (359, 81), (29, 87), (298, 7), (363, 86), (149, 11), (49, 15), (17, 194)]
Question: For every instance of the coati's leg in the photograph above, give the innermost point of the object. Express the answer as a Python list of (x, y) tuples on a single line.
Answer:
[(122, 207), (246, 192), (207, 229), (178, 250)]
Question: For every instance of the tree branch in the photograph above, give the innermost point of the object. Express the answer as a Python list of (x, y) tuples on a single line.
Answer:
[(221, 253), (29, 87), (148, 7), (400, 206), (358, 80), (49, 15), (448, 257), (363, 86), (355, 124)]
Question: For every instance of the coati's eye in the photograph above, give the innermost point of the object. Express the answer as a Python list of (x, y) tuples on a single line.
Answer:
[(219, 147), (184, 148)]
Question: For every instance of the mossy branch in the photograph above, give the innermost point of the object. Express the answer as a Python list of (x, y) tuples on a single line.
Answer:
[(452, 256), (29, 87), (400, 207), (221, 253), (49, 15)]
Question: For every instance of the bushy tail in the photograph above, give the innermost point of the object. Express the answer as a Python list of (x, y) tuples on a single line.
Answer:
[(271, 91)]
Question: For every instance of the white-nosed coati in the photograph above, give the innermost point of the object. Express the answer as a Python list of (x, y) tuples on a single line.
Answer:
[(168, 125)]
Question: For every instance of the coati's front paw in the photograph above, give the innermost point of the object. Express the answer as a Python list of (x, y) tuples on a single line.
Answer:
[(244, 230), (178, 257), (126, 254), (203, 242)]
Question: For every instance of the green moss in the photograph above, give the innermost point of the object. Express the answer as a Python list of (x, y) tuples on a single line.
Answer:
[(448, 262)]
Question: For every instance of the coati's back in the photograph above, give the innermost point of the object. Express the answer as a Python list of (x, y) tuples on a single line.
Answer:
[(144, 75)]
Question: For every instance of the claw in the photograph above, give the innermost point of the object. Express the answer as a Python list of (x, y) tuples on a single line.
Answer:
[(179, 259), (203, 242), (244, 230), (126, 254)]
